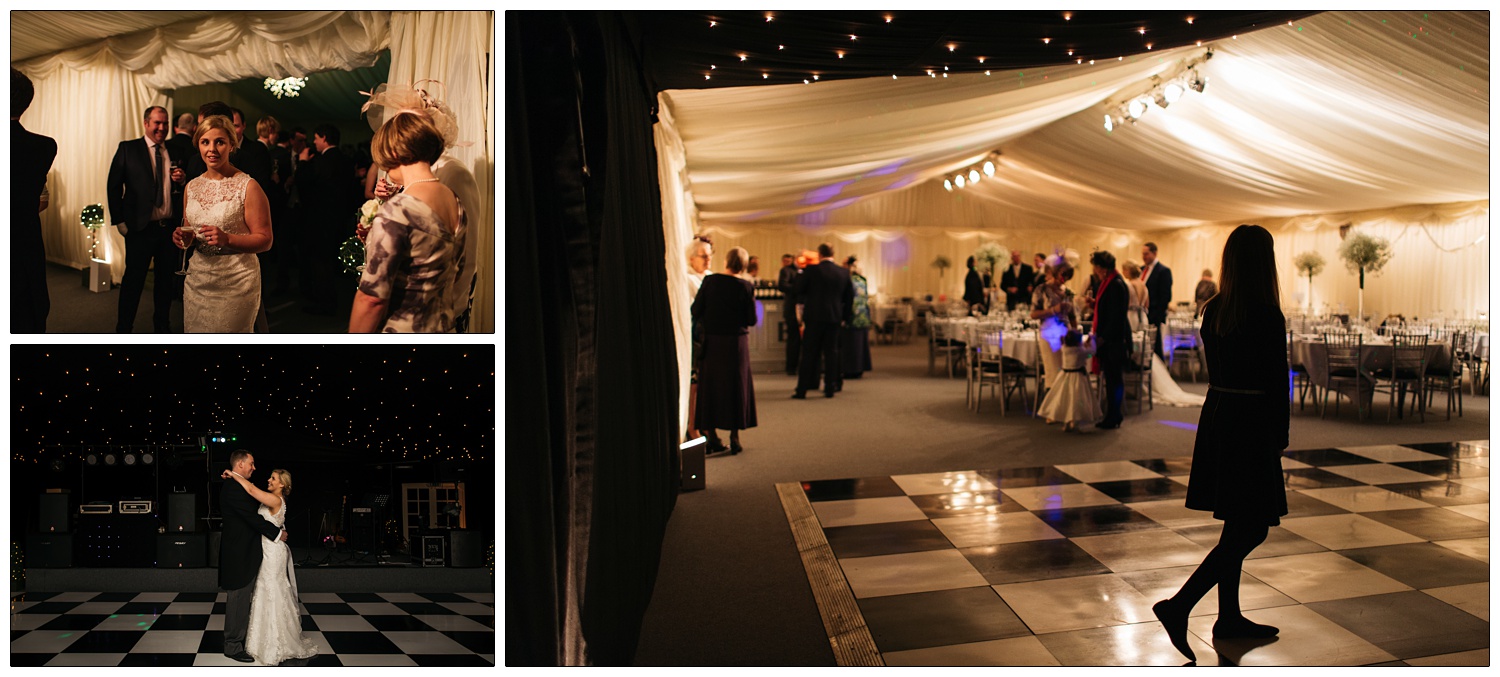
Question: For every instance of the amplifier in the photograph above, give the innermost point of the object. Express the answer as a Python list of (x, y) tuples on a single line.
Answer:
[(360, 510), (95, 509), (135, 507)]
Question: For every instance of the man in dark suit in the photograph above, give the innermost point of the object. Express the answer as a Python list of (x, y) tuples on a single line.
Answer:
[(1016, 281), (786, 281), (973, 286), (142, 207), (251, 158), (1039, 271), (181, 144), (827, 296), (31, 158), (268, 131), (1158, 279), (240, 553), (1111, 335), (325, 182)]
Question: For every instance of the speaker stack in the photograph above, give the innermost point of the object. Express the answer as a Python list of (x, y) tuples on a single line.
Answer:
[(50, 545)]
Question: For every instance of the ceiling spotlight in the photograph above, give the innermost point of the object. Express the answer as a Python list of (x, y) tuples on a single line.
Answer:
[(1046, 41), (1198, 83), (711, 24), (952, 46), (109, 459), (743, 57), (989, 168), (1137, 108), (1142, 30), (959, 180), (129, 459), (973, 176), (1067, 16), (1190, 19), (1109, 124), (1172, 92), (764, 76), (769, 17), (841, 54), (147, 458), (92, 459), (948, 185), (887, 18), (981, 59)]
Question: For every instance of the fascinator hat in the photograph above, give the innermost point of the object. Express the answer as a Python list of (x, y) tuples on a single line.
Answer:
[(388, 101)]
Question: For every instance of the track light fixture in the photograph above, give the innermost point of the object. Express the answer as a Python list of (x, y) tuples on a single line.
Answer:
[(1161, 93), (973, 174)]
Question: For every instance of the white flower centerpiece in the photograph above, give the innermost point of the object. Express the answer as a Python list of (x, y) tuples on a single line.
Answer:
[(1364, 254), (1309, 264)]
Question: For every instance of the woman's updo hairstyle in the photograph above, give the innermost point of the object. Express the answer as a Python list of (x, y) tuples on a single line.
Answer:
[(286, 481), (221, 123), (406, 138)]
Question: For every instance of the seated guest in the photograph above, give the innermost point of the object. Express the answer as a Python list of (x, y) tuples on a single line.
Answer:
[(725, 309)]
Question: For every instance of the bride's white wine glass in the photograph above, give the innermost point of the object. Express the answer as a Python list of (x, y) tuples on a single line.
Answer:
[(189, 233)]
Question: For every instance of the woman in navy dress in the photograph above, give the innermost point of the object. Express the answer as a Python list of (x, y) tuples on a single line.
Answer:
[(725, 310), (1236, 470)]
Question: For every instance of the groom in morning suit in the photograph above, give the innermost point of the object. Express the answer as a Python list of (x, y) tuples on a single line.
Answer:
[(142, 206), (240, 553)]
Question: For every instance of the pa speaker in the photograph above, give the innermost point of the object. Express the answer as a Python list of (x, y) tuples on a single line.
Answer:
[(54, 513), (465, 550), (182, 514), (181, 551), (49, 551)]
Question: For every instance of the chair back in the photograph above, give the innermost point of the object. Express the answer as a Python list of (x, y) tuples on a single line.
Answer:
[(1343, 349), (1145, 347), (1182, 333), (989, 345), (1409, 353)]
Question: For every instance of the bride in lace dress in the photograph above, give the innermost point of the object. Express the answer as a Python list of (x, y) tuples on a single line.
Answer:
[(232, 218), (275, 629)]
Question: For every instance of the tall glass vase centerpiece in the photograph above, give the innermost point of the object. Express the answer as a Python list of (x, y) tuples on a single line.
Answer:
[(1309, 264), (1362, 254)]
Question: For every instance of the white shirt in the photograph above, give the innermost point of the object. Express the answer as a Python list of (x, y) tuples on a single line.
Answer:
[(165, 211)]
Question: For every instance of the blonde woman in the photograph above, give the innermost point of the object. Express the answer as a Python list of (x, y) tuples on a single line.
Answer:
[(1140, 299), (231, 218), (275, 630)]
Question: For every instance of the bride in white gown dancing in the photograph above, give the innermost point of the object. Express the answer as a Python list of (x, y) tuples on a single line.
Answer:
[(275, 630)]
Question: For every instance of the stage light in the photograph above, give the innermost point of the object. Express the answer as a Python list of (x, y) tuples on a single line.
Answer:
[(1137, 108), (129, 459), (973, 176), (92, 459), (1198, 83), (959, 180), (109, 459), (148, 458), (1109, 124), (989, 168), (948, 185)]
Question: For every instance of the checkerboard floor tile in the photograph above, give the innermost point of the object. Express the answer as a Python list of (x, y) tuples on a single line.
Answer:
[(1383, 560), (187, 629)]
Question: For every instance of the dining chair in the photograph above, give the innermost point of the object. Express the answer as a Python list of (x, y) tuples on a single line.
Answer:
[(1342, 366), (941, 340), (1138, 371), (1184, 341), (1300, 378), (1408, 370), (1449, 378)]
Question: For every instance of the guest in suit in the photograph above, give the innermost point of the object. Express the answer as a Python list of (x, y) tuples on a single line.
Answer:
[(1017, 281), (1158, 279), (1236, 471), (1039, 271), (181, 143), (974, 288), (1111, 335), (240, 553), (1206, 289), (31, 158), (827, 297), (251, 158), (328, 195), (269, 130), (141, 206), (786, 281), (725, 309)]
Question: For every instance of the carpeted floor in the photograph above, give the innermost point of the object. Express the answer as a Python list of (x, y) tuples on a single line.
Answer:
[(76, 310), (732, 590)]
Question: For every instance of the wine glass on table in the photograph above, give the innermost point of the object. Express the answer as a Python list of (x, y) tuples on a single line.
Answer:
[(188, 233)]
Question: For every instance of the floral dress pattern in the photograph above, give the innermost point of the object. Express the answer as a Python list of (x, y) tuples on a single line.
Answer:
[(861, 302), (412, 262)]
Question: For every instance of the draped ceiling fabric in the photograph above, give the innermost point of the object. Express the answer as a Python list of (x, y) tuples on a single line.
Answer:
[(1376, 119), (91, 97)]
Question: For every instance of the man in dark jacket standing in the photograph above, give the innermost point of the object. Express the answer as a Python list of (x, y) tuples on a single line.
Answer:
[(240, 553), (1016, 281), (827, 297), (1111, 334), (973, 287), (1158, 279), (787, 283)]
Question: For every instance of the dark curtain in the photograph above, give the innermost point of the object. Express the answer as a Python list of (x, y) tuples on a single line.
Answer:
[(591, 370)]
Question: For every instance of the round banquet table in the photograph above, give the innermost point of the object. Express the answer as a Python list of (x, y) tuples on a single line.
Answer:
[(1375, 354), (1018, 345)]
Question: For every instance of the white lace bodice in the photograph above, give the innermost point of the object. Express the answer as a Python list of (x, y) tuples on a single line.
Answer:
[(219, 203), (274, 633)]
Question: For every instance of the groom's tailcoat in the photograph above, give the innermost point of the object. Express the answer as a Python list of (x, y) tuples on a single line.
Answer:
[(239, 549)]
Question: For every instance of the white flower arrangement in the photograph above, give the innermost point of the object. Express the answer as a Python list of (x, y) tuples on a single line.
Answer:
[(989, 256)]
